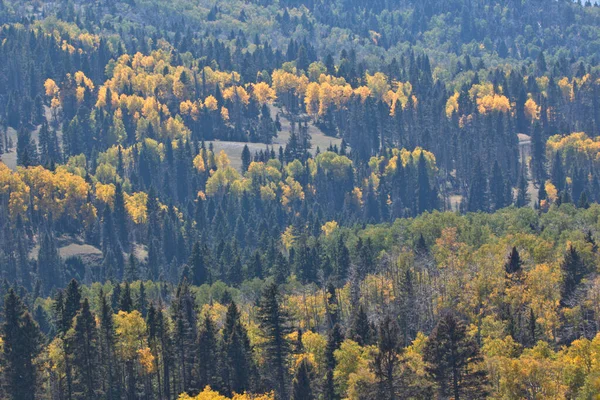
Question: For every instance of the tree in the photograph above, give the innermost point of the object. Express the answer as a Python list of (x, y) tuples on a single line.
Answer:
[(21, 344), (274, 326), (237, 352), (208, 352), (386, 359), (83, 341), (573, 270), (26, 148), (301, 385), (477, 198), (453, 360), (334, 341), (513, 263), (246, 158), (198, 266), (361, 330)]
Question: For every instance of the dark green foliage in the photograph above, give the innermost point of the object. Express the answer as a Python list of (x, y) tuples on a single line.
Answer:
[(453, 358), (21, 344), (275, 327)]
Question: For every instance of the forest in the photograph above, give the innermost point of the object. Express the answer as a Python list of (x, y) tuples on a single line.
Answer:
[(299, 200)]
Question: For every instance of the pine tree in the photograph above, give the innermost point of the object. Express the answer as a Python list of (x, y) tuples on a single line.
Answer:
[(302, 385), (126, 301), (477, 198), (573, 269), (386, 360), (246, 158), (275, 327), (207, 370), (513, 264), (452, 357), (83, 341), (334, 341), (132, 272), (522, 199), (21, 345), (237, 353), (425, 201), (110, 382), (361, 330), (26, 149), (557, 173), (49, 264), (198, 266), (120, 216)]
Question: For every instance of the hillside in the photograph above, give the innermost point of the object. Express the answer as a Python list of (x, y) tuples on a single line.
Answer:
[(299, 199)]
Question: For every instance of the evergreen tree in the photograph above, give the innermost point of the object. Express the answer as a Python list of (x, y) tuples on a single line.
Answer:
[(513, 264), (26, 149), (386, 360), (20, 346), (274, 327), (246, 158), (477, 198), (573, 270), (237, 352), (126, 301), (198, 266), (361, 330), (452, 359), (208, 352), (83, 341), (302, 385)]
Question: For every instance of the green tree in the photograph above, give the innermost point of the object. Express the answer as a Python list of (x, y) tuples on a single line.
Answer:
[(274, 325), (21, 345), (453, 360)]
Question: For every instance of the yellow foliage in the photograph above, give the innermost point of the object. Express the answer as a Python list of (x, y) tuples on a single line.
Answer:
[(130, 333), (263, 93), (210, 103), (224, 114), (209, 394), (377, 84), (452, 104), (237, 93), (329, 227), (493, 102), (532, 110), (51, 88), (135, 205), (105, 193)]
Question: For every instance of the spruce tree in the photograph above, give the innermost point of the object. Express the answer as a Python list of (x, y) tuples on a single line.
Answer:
[(452, 359), (21, 344), (386, 360), (573, 270), (274, 326), (208, 368), (83, 342), (302, 385), (237, 353), (198, 266)]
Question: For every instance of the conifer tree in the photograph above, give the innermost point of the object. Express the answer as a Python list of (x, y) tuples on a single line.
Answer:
[(302, 385), (452, 359), (237, 352), (83, 342), (275, 327), (386, 360), (573, 269), (20, 346), (198, 266), (207, 369)]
